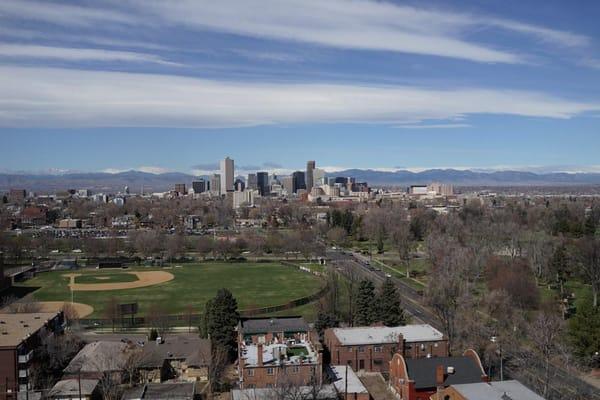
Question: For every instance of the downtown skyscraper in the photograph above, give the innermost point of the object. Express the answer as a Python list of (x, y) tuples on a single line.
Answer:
[(227, 175)]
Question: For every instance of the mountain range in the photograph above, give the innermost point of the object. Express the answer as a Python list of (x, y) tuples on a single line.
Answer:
[(136, 180)]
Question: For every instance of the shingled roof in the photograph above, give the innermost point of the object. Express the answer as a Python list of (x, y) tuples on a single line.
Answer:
[(422, 371), (252, 326)]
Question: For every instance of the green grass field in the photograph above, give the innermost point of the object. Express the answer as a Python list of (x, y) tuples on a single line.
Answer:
[(253, 284), (106, 277)]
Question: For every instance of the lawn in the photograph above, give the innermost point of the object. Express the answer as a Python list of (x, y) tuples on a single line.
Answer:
[(253, 284), (106, 277)]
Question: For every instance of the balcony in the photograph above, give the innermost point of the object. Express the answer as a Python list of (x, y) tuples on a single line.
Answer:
[(25, 358)]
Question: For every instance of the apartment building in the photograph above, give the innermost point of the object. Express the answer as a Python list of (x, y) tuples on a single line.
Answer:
[(277, 351), (371, 348), (20, 336)]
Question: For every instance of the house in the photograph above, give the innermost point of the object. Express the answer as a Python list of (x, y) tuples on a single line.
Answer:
[(371, 348), (323, 392), (184, 357), (420, 378), (160, 391), (347, 384), (20, 336), (73, 388), (505, 390), (99, 359), (274, 329)]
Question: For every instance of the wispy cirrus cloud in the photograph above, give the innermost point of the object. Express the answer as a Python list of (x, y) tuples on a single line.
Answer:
[(19, 51), (433, 126), (46, 97), (357, 24)]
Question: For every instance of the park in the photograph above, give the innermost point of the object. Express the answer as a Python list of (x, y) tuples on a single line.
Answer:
[(175, 289)]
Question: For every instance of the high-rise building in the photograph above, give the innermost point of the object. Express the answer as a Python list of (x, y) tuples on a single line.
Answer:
[(318, 177), (288, 184), (180, 188), (239, 185), (215, 183), (310, 182), (227, 173), (199, 186), (262, 181), (251, 182), (298, 181)]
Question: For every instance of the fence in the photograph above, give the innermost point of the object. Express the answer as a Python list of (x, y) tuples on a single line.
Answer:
[(194, 319)]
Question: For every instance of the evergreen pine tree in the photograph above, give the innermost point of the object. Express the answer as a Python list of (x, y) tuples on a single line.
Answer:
[(221, 319), (366, 310), (389, 307)]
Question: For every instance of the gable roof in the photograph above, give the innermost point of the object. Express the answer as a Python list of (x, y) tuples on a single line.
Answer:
[(101, 356), (251, 326), (422, 371), (193, 350)]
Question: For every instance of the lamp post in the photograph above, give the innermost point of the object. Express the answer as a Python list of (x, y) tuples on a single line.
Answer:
[(495, 340)]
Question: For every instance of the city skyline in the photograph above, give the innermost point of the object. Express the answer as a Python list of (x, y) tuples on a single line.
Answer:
[(454, 84)]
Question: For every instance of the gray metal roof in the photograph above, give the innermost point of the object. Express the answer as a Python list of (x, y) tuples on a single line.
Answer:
[(157, 391), (71, 387), (422, 371), (325, 392), (504, 390)]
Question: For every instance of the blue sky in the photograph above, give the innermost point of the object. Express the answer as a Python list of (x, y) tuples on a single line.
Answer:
[(175, 86)]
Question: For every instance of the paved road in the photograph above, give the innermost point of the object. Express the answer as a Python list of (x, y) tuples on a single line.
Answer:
[(563, 386)]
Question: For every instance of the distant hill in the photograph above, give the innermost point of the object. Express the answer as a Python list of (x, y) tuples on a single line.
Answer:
[(109, 183)]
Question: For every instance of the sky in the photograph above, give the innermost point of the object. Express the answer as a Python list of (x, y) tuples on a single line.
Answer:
[(159, 86)]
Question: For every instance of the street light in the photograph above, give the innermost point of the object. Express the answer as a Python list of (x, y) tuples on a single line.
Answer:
[(495, 340)]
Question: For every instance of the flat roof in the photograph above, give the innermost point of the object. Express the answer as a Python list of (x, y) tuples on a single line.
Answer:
[(512, 389), (385, 334), (277, 354), (354, 384), (15, 328)]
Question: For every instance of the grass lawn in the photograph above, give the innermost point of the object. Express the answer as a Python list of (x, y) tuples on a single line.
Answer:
[(253, 284), (106, 277)]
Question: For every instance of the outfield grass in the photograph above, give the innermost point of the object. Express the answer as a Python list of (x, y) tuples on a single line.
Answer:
[(106, 277), (253, 284)]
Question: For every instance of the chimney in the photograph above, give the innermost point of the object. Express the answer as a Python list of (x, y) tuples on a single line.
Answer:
[(259, 351), (439, 376)]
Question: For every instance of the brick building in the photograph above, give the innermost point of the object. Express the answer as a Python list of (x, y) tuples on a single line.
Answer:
[(20, 336), (419, 379), (276, 351), (372, 348), (273, 330), (504, 390)]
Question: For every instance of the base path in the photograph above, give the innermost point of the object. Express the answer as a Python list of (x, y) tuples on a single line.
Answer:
[(145, 278)]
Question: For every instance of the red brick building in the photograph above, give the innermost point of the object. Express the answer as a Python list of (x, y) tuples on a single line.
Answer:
[(274, 351), (419, 379), (20, 336), (372, 348)]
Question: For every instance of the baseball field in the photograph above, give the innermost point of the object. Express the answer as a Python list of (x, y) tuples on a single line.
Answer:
[(175, 289)]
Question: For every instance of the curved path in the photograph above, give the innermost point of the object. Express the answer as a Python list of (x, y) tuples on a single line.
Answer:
[(145, 278)]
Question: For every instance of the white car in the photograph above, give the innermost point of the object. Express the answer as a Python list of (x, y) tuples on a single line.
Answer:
[(388, 275)]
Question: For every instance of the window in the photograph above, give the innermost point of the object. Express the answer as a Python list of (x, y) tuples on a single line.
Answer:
[(295, 369), (377, 349), (361, 364), (378, 362), (350, 349), (270, 371), (447, 397), (250, 372), (361, 349)]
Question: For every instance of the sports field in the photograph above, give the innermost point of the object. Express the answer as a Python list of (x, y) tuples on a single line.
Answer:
[(253, 284)]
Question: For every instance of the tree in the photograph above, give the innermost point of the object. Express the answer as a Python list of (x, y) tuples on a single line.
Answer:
[(389, 305), (402, 238), (588, 253), (366, 311), (515, 278), (112, 311), (584, 333), (337, 235), (221, 320), (559, 266), (545, 333), (324, 321)]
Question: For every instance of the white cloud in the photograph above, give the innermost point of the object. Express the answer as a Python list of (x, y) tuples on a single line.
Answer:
[(75, 54), (45, 97), (345, 24), (434, 126)]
